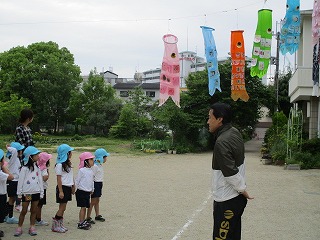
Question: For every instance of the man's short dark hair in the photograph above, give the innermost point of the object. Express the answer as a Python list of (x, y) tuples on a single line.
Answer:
[(222, 110)]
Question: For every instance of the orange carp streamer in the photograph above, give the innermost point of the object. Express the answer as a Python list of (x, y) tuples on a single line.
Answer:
[(238, 61)]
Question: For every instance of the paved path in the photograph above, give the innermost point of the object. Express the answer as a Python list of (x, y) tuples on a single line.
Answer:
[(162, 196)]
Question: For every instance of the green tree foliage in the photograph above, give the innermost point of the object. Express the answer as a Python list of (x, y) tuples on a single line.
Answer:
[(134, 116), (95, 104), (246, 114), (10, 112), (189, 124), (170, 117), (283, 97), (44, 74)]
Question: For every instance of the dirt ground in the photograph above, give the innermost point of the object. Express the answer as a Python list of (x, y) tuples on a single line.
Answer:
[(167, 196)]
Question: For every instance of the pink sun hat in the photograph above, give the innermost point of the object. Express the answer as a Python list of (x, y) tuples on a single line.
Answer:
[(83, 156), (44, 157)]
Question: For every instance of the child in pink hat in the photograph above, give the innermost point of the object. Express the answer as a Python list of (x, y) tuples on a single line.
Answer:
[(85, 187), (43, 163)]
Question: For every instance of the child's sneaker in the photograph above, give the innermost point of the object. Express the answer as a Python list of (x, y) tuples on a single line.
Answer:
[(99, 218), (18, 208), (42, 223), (84, 225), (56, 227), (90, 220), (12, 220), (18, 232), (32, 231)]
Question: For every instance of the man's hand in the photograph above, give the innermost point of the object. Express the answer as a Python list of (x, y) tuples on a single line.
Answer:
[(246, 195)]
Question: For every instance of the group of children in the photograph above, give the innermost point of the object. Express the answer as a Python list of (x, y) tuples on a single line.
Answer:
[(24, 176)]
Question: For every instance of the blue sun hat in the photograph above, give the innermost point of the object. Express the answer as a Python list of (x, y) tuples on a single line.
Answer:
[(99, 154), (29, 151), (1, 155), (15, 145), (62, 151)]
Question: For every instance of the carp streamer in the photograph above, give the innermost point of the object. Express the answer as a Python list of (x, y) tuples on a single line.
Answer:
[(261, 51), (170, 71), (290, 29), (238, 61), (212, 61), (316, 48)]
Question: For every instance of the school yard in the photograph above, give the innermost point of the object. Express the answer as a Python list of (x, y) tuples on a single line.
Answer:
[(167, 196)]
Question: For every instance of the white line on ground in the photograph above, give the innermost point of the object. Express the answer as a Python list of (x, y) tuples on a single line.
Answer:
[(194, 215)]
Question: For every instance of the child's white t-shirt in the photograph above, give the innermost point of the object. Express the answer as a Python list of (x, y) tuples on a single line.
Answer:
[(98, 173), (3, 182), (14, 164), (44, 172), (30, 182), (66, 177), (84, 180)]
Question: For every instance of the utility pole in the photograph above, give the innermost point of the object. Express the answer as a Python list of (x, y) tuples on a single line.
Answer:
[(275, 61)]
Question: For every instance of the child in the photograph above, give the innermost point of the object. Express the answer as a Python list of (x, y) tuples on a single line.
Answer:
[(100, 157), (4, 176), (30, 188), (85, 187), (43, 164), (14, 155), (65, 185)]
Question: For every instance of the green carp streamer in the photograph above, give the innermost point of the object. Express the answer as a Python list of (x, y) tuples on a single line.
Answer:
[(261, 51)]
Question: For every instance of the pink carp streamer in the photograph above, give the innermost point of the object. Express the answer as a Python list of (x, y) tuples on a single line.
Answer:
[(170, 71), (316, 47)]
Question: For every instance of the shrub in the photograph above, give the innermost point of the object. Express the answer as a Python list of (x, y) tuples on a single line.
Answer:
[(278, 150), (306, 159), (312, 146)]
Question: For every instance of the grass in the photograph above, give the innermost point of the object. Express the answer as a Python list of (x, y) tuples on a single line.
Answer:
[(80, 143)]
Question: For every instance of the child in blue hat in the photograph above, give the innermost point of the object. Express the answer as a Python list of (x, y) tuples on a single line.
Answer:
[(4, 176), (30, 188), (14, 154), (100, 157), (65, 185)]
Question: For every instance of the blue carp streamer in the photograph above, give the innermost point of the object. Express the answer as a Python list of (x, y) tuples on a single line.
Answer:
[(212, 61), (290, 29)]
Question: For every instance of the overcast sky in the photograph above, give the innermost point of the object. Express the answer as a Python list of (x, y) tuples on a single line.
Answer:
[(127, 35)]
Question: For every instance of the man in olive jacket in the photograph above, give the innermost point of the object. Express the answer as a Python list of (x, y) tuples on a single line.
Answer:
[(228, 166)]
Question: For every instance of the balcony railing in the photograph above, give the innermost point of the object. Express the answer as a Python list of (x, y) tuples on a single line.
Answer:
[(300, 84)]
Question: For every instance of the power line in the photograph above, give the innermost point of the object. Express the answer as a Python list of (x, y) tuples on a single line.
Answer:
[(131, 20)]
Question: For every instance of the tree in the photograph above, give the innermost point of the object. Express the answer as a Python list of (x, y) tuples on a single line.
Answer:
[(10, 112), (246, 114), (283, 97), (97, 103), (44, 74), (134, 115)]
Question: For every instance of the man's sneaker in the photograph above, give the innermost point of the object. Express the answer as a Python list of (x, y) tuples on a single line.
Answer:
[(33, 231), (84, 225), (90, 220), (42, 223), (12, 220), (18, 232), (99, 218)]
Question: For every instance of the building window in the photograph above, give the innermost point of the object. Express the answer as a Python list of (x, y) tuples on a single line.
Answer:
[(124, 94), (151, 94)]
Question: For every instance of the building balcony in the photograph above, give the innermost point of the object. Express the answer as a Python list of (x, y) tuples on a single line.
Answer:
[(300, 84)]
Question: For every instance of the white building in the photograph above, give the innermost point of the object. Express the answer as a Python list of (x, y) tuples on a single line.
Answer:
[(189, 62), (301, 84)]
